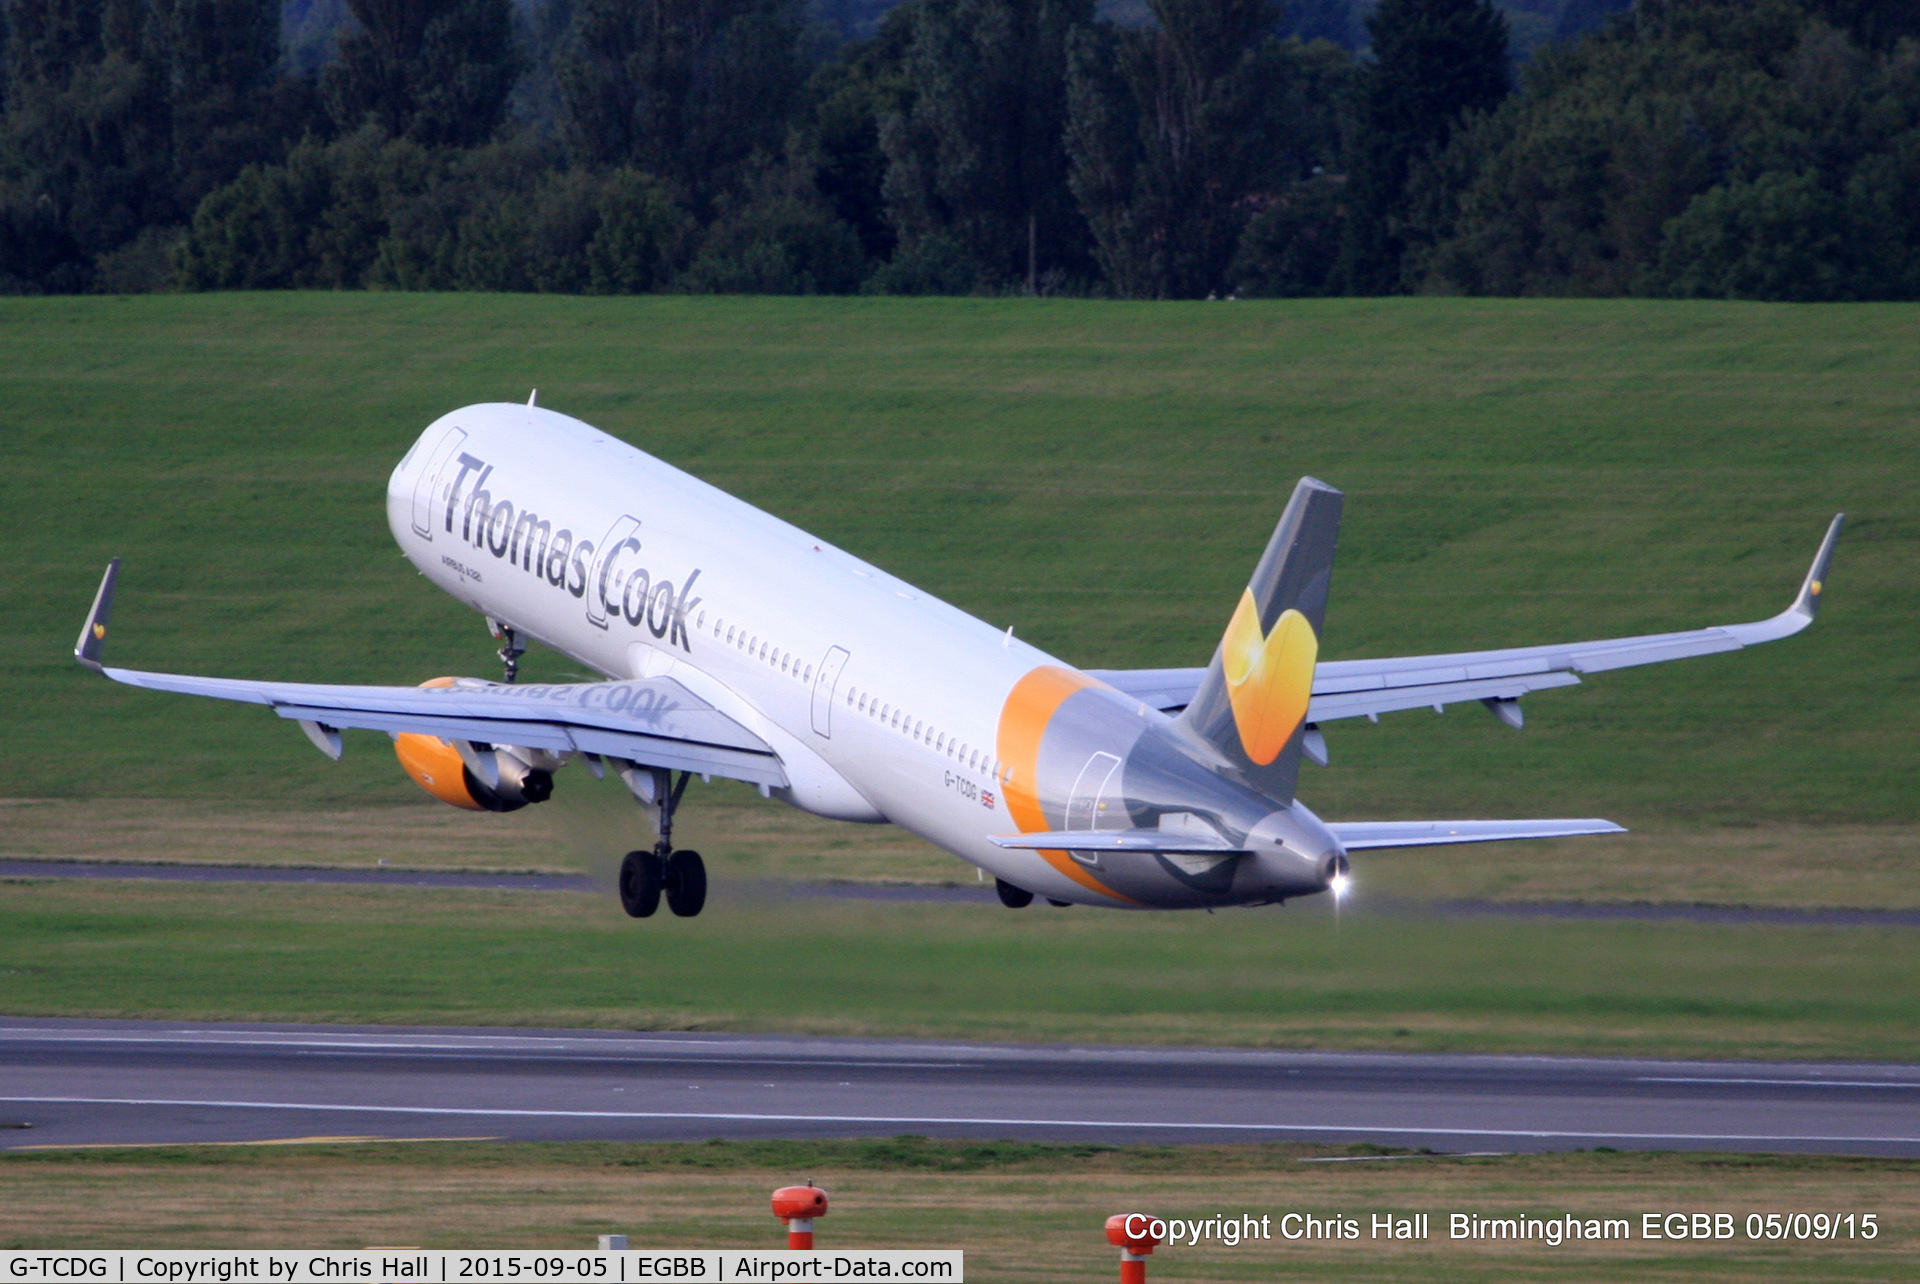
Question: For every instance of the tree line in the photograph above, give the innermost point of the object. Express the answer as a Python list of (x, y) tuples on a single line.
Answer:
[(1707, 148)]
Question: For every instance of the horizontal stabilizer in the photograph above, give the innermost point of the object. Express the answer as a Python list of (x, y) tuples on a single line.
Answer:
[(1370, 835), (1120, 840)]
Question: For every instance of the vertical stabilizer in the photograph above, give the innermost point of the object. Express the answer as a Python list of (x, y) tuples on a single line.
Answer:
[(1252, 705)]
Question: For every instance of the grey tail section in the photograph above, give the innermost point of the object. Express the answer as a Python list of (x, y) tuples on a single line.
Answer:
[(1295, 573), (93, 634)]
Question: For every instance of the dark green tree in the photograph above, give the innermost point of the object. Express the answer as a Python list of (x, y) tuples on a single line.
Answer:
[(1875, 24), (1709, 148), (226, 110), (688, 90), (979, 158), (1173, 129), (434, 72), (1435, 62), (84, 144), (837, 141), (369, 210)]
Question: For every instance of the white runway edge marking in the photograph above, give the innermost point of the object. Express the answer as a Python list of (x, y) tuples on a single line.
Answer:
[(934, 1119), (631, 1049), (1782, 1083)]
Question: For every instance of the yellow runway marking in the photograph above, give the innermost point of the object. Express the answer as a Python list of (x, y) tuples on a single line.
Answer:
[(274, 1141)]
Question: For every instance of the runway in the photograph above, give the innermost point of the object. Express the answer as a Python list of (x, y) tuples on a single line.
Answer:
[(92, 1083)]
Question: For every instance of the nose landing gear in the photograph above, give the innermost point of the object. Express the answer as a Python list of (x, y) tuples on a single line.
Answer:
[(681, 875), (510, 653)]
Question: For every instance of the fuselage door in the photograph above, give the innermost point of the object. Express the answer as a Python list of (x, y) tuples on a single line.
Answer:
[(1088, 805), (823, 687), (619, 540), (426, 488)]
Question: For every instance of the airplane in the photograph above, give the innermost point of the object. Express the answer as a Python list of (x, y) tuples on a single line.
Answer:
[(736, 645)]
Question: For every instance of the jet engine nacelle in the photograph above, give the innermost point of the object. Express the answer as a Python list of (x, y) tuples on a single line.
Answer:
[(519, 776)]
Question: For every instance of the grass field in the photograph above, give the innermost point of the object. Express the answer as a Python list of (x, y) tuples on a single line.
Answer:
[(587, 827), (1100, 476), (1021, 1212), (1288, 977)]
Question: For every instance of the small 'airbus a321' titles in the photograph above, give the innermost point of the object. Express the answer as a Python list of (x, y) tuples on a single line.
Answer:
[(737, 645)]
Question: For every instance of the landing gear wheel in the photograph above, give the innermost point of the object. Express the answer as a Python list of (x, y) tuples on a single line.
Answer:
[(1010, 896), (640, 881), (1058, 904), (686, 883)]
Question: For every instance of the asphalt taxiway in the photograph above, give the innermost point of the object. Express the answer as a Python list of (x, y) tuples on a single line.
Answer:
[(92, 1083)]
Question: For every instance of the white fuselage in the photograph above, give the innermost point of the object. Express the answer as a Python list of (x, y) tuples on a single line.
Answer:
[(883, 702)]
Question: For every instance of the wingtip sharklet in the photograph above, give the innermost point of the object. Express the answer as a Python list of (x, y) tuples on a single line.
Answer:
[(93, 634), (1807, 602)]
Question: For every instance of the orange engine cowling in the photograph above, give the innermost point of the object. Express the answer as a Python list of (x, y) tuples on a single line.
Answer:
[(436, 766)]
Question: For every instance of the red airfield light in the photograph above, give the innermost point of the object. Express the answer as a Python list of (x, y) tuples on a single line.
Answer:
[(797, 1206), (1131, 1234)]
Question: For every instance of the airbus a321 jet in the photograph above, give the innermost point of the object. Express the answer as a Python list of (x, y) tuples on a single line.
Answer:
[(736, 645)]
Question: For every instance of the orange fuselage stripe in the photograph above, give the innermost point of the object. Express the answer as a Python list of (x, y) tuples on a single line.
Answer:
[(1029, 708)]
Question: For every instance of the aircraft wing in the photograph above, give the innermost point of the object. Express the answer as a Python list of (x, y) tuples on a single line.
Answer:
[(1354, 836), (1373, 835), (654, 722), (1369, 688)]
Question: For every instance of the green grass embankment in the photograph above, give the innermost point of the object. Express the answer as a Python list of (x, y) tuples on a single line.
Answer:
[(1289, 977), (1099, 475)]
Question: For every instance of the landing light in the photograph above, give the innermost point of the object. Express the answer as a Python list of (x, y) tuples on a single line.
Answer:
[(1338, 885)]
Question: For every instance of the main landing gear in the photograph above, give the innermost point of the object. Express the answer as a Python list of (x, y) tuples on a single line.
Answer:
[(681, 875), (1019, 897)]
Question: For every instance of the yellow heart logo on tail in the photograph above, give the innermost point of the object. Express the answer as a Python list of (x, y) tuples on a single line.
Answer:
[(1269, 677), (99, 631)]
